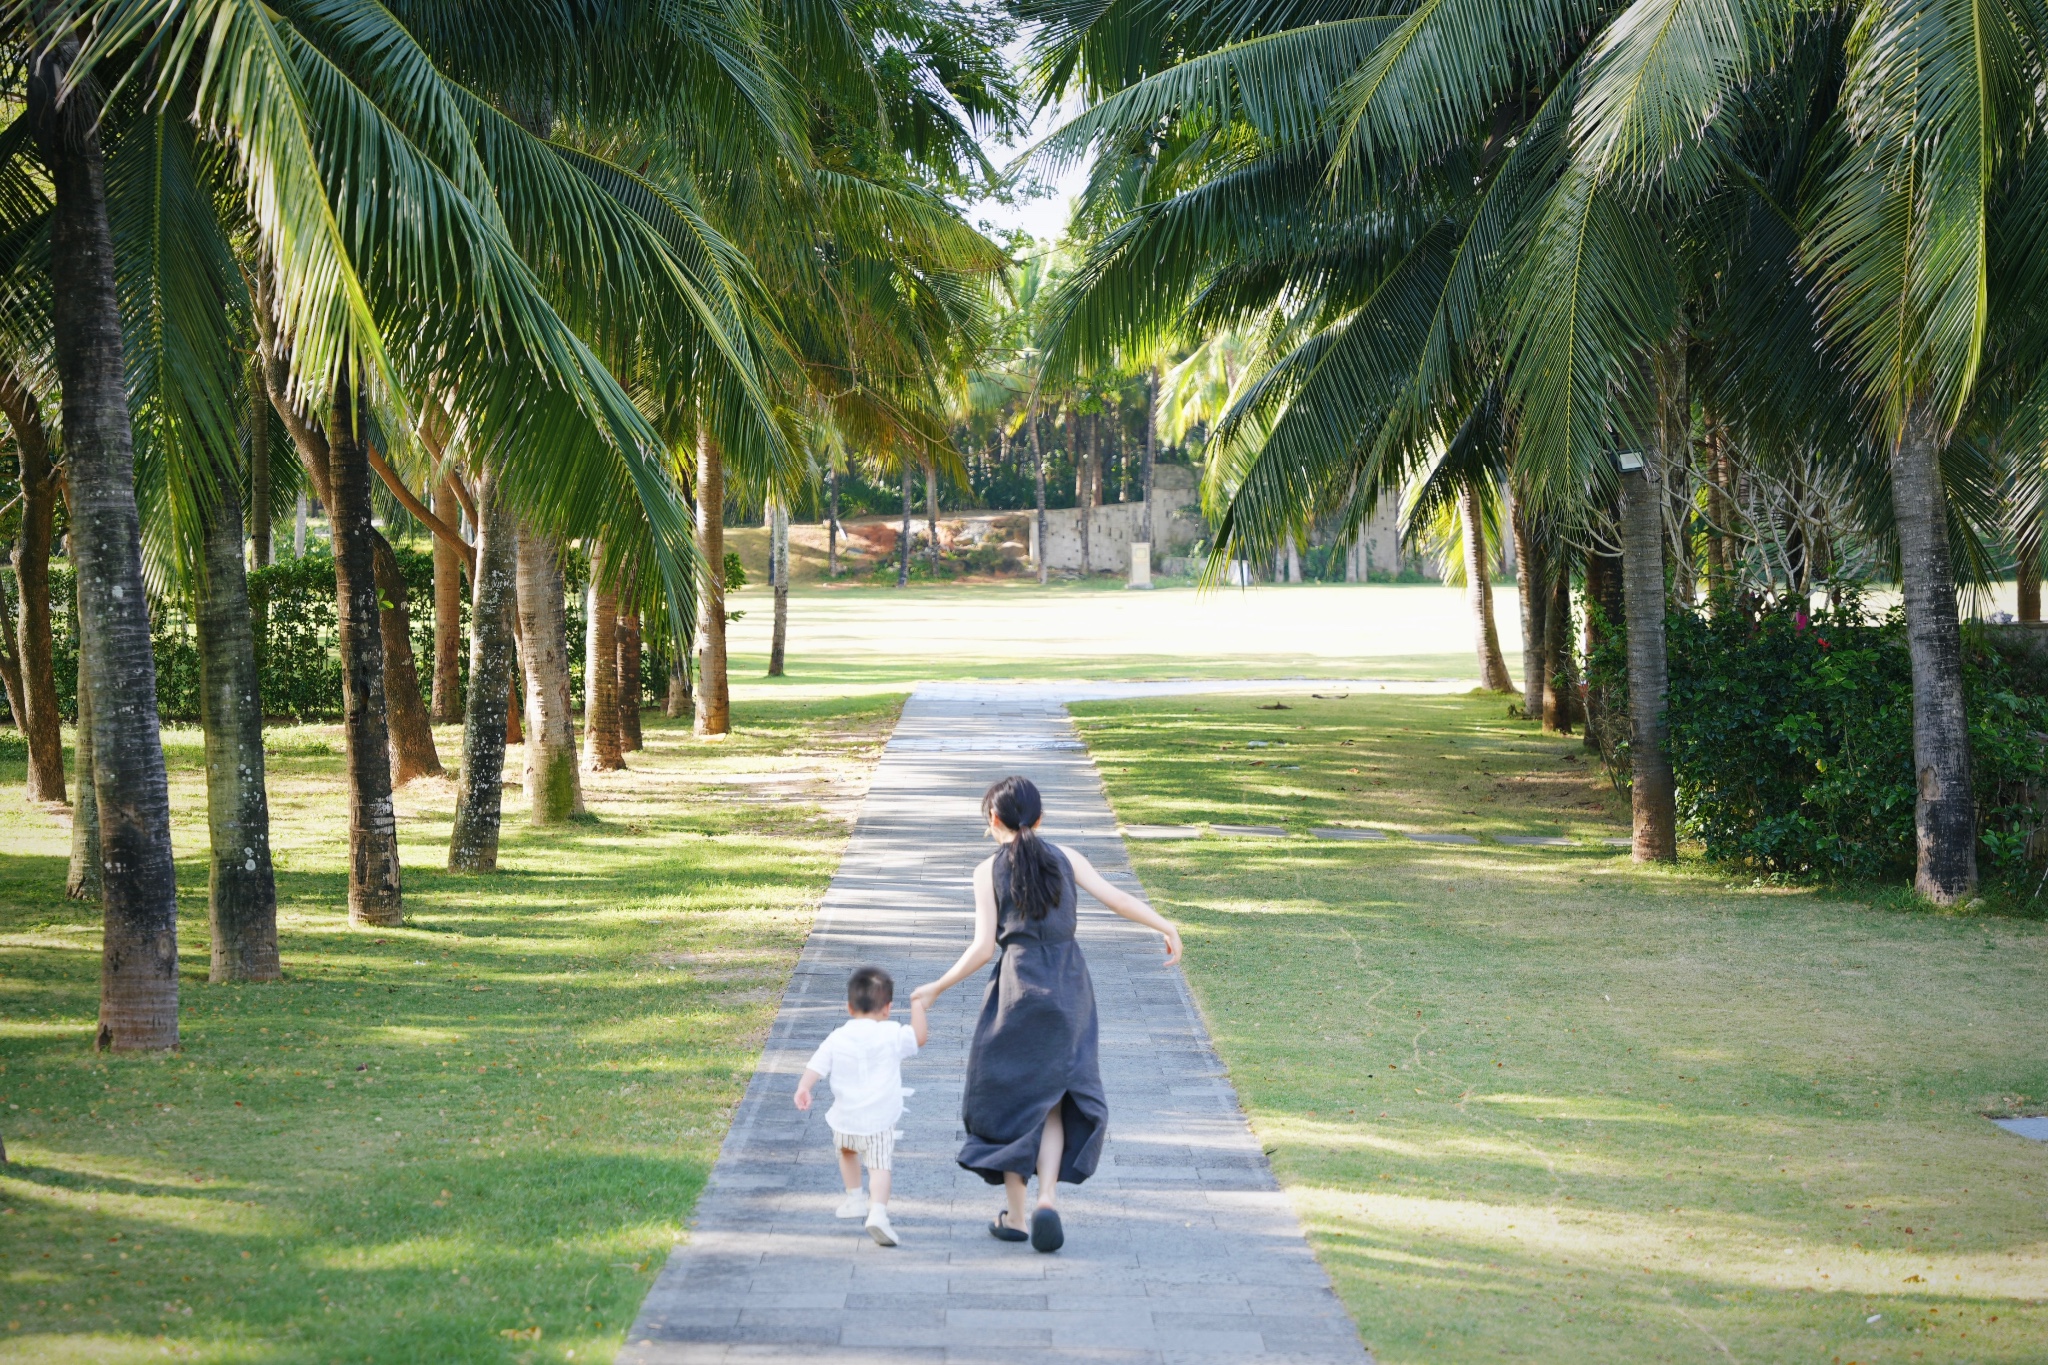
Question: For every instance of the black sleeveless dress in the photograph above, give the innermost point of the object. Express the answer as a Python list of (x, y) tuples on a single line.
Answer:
[(1035, 1044)]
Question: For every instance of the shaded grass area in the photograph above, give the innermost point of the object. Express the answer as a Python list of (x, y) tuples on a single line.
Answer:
[(470, 1139), (1543, 1105)]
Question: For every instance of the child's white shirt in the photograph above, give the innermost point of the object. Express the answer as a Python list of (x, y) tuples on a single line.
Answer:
[(863, 1058)]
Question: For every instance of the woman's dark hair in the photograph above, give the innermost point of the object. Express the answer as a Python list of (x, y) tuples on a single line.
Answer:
[(1035, 873)]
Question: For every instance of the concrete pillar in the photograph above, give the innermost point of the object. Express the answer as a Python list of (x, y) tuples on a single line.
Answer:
[(1141, 565)]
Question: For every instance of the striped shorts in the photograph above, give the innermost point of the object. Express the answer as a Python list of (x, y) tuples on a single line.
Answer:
[(877, 1151)]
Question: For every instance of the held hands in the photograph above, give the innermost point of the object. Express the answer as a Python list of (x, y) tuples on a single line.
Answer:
[(1172, 936), (925, 996), (803, 1097)]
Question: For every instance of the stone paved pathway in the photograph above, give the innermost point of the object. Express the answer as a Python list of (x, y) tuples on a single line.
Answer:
[(1181, 1251)]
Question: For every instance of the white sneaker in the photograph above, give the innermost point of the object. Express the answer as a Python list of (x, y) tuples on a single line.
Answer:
[(855, 1205), (878, 1226)]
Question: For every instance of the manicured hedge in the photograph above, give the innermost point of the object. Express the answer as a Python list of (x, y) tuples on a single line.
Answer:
[(1792, 741)]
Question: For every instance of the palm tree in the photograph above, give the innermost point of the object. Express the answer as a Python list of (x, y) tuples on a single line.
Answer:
[(1564, 201), (139, 975)]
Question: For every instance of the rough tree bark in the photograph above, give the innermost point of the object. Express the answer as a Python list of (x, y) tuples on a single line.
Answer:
[(1603, 590), (601, 752), (778, 578), (241, 906), (1493, 667), (1560, 690), (448, 706), (832, 519), (1944, 813), (1084, 485), (139, 889), (261, 552), (41, 484), (1145, 527), (714, 696), (903, 539), (1651, 793), (678, 703), (405, 710), (375, 896), (554, 789), (2029, 576), (632, 682), (82, 878), (1532, 587), (1038, 481), (493, 665), (931, 514)]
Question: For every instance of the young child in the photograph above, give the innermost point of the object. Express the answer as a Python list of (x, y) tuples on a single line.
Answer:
[(864, 1059)]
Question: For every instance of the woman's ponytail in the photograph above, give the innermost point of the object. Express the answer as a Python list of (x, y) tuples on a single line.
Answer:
[(1036, 877)]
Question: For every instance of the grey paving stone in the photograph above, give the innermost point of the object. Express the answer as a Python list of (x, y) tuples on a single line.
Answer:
[(1619, 843), (1181, 1247), (1445, 838), (1537, 840), (1162, 832), (1349, 835), (1251, 831)]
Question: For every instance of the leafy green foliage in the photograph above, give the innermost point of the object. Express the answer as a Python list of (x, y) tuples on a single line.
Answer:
[(1792, 739)]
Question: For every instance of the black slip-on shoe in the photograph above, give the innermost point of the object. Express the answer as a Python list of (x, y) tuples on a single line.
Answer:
[(1000, 1229), (1046, 1233)]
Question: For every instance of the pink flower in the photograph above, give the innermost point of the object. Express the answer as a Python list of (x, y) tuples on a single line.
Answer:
[(1799, 620)]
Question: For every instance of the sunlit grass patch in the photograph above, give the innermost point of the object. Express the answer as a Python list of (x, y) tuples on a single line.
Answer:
[(471, 1138), (1541, 1104)]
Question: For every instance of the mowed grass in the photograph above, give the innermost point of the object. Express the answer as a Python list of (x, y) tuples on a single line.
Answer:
[(1543, 1105), (471, 1139)]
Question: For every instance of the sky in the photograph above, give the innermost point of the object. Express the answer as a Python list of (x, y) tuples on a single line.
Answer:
[(1044, 218)]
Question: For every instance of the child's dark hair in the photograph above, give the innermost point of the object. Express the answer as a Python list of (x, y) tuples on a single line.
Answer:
[(1029, 867), (869, 988)]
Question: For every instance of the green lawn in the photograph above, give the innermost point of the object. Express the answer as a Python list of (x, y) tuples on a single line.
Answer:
[(1544, 1105), (470, 1139)]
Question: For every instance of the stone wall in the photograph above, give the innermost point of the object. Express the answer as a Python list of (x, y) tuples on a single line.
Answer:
[(1112, 528)]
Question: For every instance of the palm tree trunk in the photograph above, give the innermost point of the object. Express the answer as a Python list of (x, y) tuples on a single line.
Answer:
[(1532, 587), (1651, 793), (1944, 814), (41, 726), (1560, 691), (374, 893), (1145, 529), (241, 890), (632, 682), (601, 751), (714, 694), (1038, 481), (903, 540), (554, 790), (448, 706), (10, 657), (260, 549), (931, 513), (832, 519), (299, 528), (1493, 667), (139, 950), (2029, 574), (82, 879), (1082, 429), (778, 577), (678, 687), (405, 711), (1294, 563), (493, 665)]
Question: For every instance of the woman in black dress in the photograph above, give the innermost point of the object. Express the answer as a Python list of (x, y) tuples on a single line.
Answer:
[(1033, 1101)]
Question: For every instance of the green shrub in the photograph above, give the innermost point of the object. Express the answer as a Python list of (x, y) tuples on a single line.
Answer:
[(1792, 742)]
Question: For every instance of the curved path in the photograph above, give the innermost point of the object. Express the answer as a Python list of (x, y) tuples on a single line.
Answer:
[(1181, 1249)]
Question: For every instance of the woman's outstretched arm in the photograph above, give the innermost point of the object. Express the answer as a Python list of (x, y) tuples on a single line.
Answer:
[(1123, 902), (978, 952)]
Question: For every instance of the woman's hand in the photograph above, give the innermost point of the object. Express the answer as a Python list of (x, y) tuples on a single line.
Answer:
[(1172, 936), (926, 995)]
